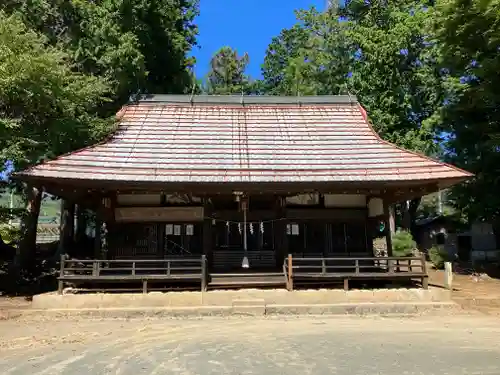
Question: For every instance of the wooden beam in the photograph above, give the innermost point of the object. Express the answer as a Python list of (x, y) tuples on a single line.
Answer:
[(404, 194)]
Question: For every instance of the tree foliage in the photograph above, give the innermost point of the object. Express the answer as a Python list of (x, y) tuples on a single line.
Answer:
[(374, 50), (468, 33), (46, 107), (138, 46), (227, 73)]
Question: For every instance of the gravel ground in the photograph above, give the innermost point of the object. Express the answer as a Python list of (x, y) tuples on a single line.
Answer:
[(295, 345)]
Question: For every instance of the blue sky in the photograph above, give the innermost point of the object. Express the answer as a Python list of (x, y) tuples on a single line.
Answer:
[(247, 26)]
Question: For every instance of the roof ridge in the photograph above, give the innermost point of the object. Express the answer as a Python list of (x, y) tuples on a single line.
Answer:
[(249, 99)]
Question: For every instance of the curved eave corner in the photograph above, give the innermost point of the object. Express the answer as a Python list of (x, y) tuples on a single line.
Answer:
[(30, 172), (459, 176)]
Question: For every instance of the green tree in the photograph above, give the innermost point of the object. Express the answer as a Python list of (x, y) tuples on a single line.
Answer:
[(380, 51), (282, 56), (227, 73), (468, 34), (46, 107), (138, 46)]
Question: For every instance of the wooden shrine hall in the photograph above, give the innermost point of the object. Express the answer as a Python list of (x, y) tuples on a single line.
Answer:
[(238, 190)]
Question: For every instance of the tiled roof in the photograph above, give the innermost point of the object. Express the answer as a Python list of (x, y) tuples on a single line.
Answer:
[(245, 139)]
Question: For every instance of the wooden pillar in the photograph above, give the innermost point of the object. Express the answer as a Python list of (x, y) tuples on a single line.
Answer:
[(81, 224), (29, 225), (67, 226), (280, 237), (285, 222), (392, 219), (388, 232), (207, 232), (97, 237)]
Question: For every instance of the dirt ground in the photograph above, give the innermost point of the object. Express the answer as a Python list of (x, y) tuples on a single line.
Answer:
[(481, 293), (266, 346)]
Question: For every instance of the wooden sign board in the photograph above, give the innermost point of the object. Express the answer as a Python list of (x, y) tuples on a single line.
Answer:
[(158, 214)]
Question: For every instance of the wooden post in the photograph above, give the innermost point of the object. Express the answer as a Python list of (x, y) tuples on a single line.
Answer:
[(388, 232), (346, 284), (203, 273), (207, 233), (425, 279), (424, 264), (61, 274), (290, 272), (390, 265), (81, 224), (279, 232), (144, 286), (97, 238), (67, 226), (282, 227), (94, 268)]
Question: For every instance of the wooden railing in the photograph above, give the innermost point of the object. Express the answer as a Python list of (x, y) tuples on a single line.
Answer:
[(130, 270), (349, 268)]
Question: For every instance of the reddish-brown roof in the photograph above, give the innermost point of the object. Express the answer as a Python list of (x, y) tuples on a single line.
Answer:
[(247, 139)]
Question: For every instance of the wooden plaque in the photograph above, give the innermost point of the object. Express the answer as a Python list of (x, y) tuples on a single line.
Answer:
[(158, 214)]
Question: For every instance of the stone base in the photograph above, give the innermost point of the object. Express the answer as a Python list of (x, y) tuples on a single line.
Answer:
[(235, 299), (355, 309)]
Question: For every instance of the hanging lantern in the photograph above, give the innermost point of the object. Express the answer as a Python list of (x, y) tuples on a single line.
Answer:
[(245, 263)]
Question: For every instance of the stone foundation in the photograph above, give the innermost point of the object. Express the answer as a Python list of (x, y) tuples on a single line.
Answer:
[(225, 298)]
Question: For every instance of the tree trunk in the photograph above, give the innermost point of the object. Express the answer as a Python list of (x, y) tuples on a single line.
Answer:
[(27, 244)]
